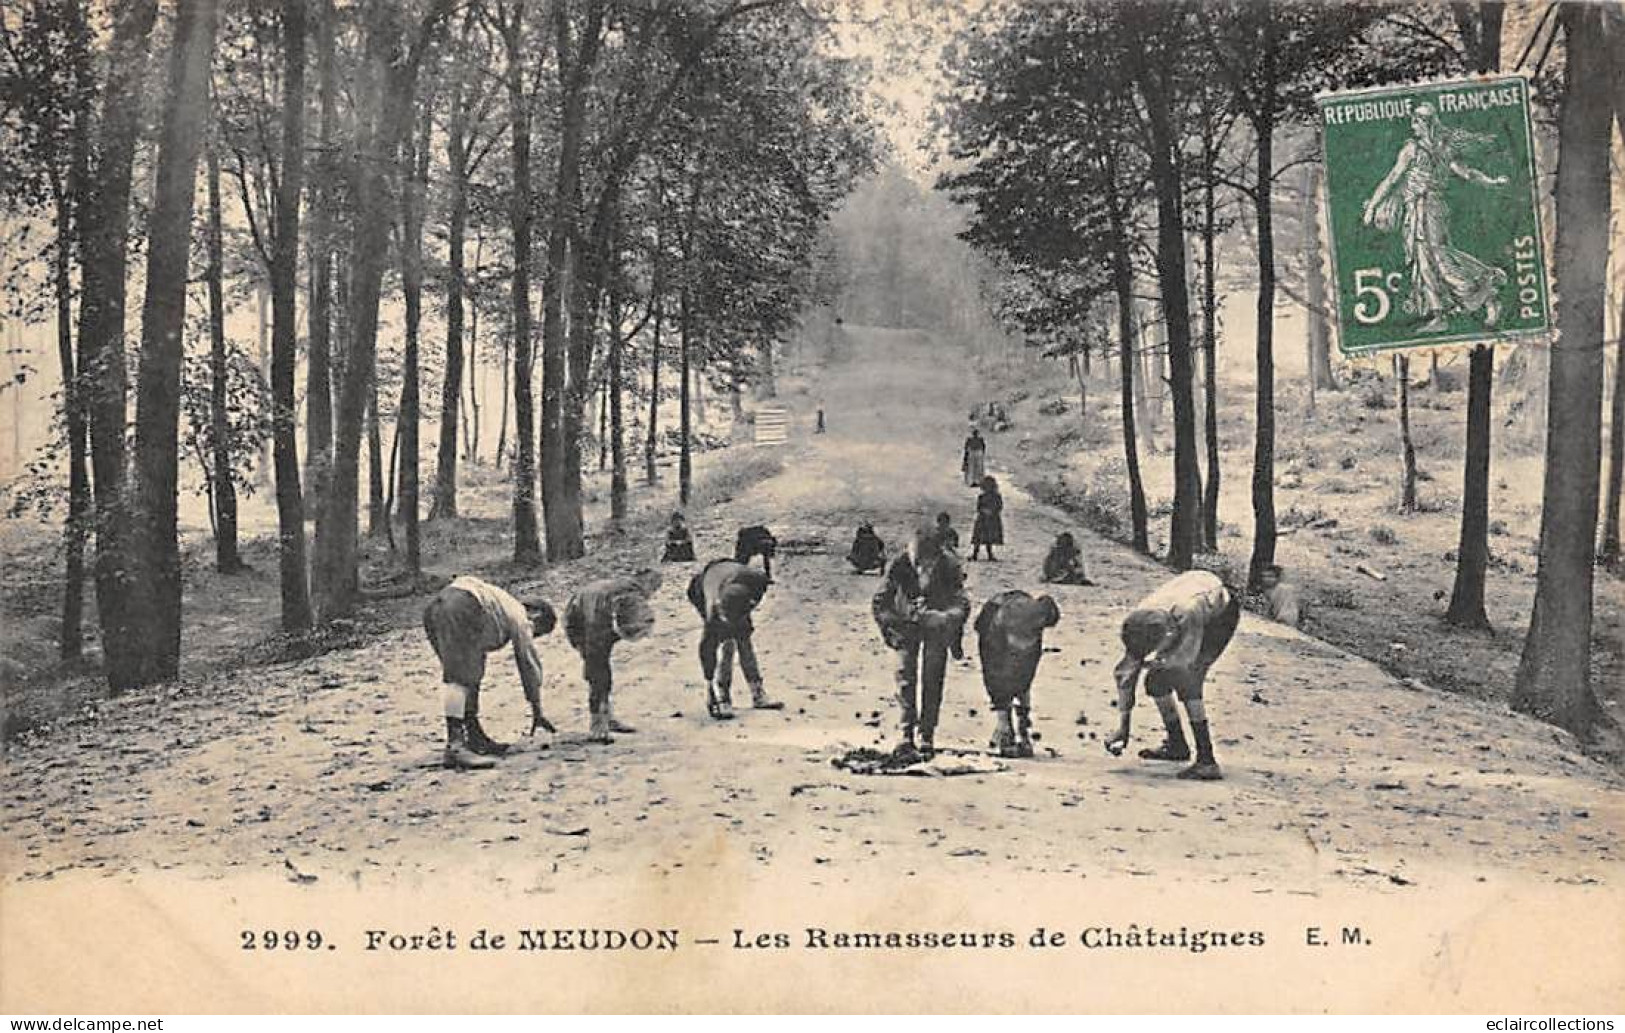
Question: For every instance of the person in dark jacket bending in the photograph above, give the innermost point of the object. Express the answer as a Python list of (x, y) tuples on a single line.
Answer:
[(725, 593), (600, 614), (1010, 637), (1064, 563)]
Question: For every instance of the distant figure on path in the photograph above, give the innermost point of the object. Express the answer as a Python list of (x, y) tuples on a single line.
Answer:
[(1010, 639), (756, 540), (946, 533), (600, 614), (1174, 635), (868, 551), (820, 428), (974, 463), (1282, 603), (466, 620), (921, 612), (725, 593), (679, 543), (988, 530), (1064, 564)]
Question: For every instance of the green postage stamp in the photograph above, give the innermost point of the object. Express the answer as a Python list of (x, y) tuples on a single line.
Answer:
[(1434, 217)]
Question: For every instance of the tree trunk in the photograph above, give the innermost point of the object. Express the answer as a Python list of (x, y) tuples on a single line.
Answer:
[(1123, 283), (527, 545), (290, 501), (652, 441), (1263, 482), (1185, 528), (76, 531), (563, 394), (1473, 548), (1210, 376), (451, 386), (221, 482), (1407, 449), (407, 421), (377, 510), (264, 469), (685, 419), (1609, 554), (1319, 333), (617, 428), (104, 226), (1554, 673), (318, 370), (155, 592)]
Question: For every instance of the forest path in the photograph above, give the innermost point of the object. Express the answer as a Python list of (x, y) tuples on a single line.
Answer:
[(1336, 774)]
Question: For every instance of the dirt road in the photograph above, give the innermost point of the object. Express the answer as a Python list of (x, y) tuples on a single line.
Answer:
[(326, 767)]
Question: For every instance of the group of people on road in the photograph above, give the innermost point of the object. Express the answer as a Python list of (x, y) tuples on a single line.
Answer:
[(1171, 638)]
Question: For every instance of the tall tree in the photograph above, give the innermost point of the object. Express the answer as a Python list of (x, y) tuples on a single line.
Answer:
[(155, 592), (395, 44), (103, 379), (290, 503), (1554, 673), (527, 544), (222, 484), (319, 365), (1480, 28)]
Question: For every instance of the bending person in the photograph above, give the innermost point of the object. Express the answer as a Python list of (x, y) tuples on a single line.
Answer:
[(466, 620), (600, 614), (1174, 635), (725, 593)]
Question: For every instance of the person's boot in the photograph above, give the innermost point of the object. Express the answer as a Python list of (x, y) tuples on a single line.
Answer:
[(1206, 769), (598, 731), (760, 700), (1174, 746), (479, 742), (928, 744), (719, 703), (1004, 736), (905, 750), (1024, 732), (617, 726), (458, 754)]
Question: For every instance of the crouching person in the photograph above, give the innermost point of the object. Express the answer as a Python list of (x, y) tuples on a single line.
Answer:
[(921, 612), (1010, 638), (466, 620), (1064, 563), (725, 593), (600, 614), (1175, 634), (868, 552), (679, 543)]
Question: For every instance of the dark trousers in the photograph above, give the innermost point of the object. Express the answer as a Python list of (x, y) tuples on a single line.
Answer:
[(719, 639), (921, 669), (600, 680)]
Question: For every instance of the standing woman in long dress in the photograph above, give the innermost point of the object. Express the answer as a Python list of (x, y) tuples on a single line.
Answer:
[(974, 463), (988, 530)]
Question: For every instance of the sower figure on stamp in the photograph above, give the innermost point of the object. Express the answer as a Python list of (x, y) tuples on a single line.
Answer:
[(600, 614), (466, 620), (1010, 638), (725, 593), (921, 612), (1175, 634)]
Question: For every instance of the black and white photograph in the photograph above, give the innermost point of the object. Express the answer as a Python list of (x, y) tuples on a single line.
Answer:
[(522, 507)]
